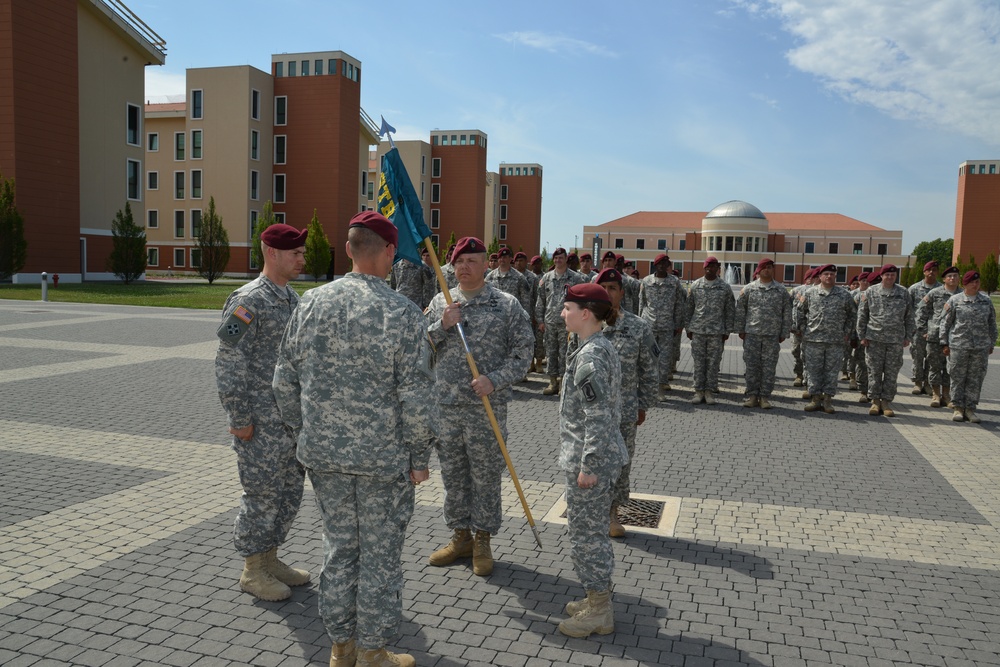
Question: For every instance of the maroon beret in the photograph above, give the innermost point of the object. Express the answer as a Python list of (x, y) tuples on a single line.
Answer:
[(378, 223), (933, 264), (863, 276), (609, 276), (950, 269), (587, 292), (505, 252), (586, 255), (619, 258), (468, 244), (559, 251), (284, 237), (573, 255), (969, 277), (629, 263), (709, 260), (610, 254), (854, 279), (520, 255), (494, 256), (888, 268), (824, 269), (660, 258), (764, 262), (875, 277), (534, 259)]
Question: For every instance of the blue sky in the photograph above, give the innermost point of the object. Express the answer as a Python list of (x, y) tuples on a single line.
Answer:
[(859, 107)]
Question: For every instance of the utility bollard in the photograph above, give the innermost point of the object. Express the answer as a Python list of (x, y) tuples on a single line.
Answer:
[(45, 286)]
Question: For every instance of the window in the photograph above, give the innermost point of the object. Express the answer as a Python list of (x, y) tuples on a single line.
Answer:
[(619, 243), (195, 258), (331, 66), (255, 104), (729, 243), (834, 248), (503, 192), (640, 244), (292, 68), (423, 165), (435, 239), (280, 148), (254, 145), (503, 232), (196, 184), (435, 193), (195, 144), (364, 183), (254, 185), (279, 188), (178, 224), (436, 168), (279, 69), (681, 244), (134, 179), (422, 189), (153, 219), (661, 244), (982, 169), (178, 185), (756, 244), (318, 69), (810, 247), (883, 248), (196, 104), (195, 223), (711, 243), (841, 274), (153, 142), (789, 273), (253, 226), (178, 257), (152, 256), (503, 211), (305, 68), (738, 244), (435, 218), (279, 217), (281, 110), (133, 120), (179, 146), (993, 169), (153, 180), (371, 191), (859, 248)]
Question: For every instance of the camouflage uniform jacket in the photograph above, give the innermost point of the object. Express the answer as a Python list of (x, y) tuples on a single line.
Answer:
[(661, 302), (826, 317), (414, 281), (917, 292), (969, 322), (448, 271), (354, 382), (512, 283), (796, 295), (764, 309), (630, 296), (500, 337), (532, 279), (552, 293), (590, 409), (244, 363), (711, 308), (930, 309), (886, 316)]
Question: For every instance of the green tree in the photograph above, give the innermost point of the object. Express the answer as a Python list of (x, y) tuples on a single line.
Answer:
[(989, 274), (13, 246), (317, 255), (493, 247), (128, 247), (938, 249), (906, 275), (265, 220), (213, 245), (546, 262), (444, 251)]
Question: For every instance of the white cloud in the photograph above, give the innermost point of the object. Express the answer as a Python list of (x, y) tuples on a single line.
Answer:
[(556, 44), (163, 86), (769, 101), (932, 62)]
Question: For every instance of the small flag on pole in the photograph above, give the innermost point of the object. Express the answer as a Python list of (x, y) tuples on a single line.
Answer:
[(397, 200)]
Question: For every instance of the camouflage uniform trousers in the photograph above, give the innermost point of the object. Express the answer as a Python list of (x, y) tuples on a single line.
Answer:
[(968, 370), (665, 361), (588, 513), (272, 481), (760, 355), (555, 348), (860, 368), (884, 361), (706, 352), (364, 526), (847, 358), (471, 466), (620, 494), (822, 366), (937, 365), (797, 354), (918, 354), (676, 352), (539, 341)]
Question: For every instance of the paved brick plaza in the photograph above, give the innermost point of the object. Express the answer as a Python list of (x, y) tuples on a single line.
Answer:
[(800, 539)]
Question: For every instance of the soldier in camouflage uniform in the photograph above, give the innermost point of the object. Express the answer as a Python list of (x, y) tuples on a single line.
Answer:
[(661, 304), (551, 290), (354, 382), (865, 281), (448, 271), (885, 326), (587, 266), (414, 281), (929, 312), (969, 330), (499, 335), (918, 349), (253, 321), (630, 300), (510, 281), (825, 315), (710, 317), (637, 351), (592, 453), (675, 355), (533, 274), (763, 320), (799, 369)]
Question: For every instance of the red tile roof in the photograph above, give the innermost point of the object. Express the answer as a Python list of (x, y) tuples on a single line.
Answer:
[(691, 221)]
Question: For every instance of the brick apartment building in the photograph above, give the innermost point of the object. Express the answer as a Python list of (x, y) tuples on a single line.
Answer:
[(977, 211)]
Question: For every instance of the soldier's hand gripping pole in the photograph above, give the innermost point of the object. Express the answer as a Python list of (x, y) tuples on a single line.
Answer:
[(486, 399)]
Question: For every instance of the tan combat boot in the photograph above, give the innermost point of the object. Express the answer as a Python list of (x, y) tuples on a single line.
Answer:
[(946, 396), (854, 381), (709, 397), (828, 404), (482, 556), (553, 387), (289, 576), (616, 529), (460, 546), (661, 395), (259, 582), (918, 388), (958, 415), (887, 409), (598, 616), (876, 408), (936, 400), (806, 396), (798, 381), (575, 607), (344, 655), (815, 403), (381, 658), (764, 403), (751, 402), (971, 415), (698, 397)]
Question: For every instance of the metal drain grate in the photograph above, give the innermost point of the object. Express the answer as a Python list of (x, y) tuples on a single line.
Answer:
[(638, 513)]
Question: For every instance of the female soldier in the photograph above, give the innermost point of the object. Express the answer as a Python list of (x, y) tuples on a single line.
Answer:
[(969, 332)]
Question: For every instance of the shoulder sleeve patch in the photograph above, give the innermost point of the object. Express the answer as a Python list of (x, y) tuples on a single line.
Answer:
[(235, 326)]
